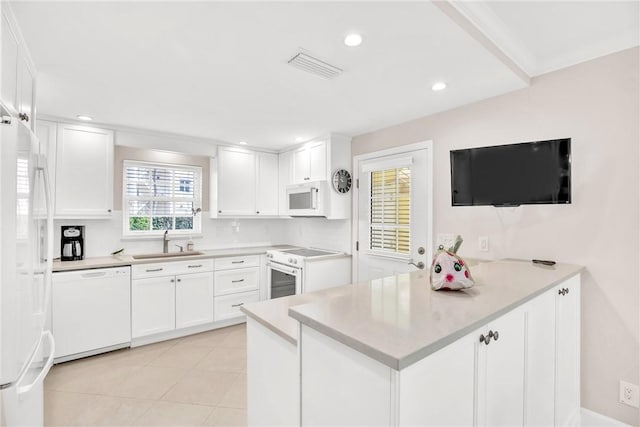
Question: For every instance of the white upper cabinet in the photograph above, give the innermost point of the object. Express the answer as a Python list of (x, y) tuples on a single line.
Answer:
[(246, 182), (84, 172), (266, 184), (18, 70), (284, 179), (309, 162), (25, 98), (318, 161), (9, 88), (236, 182)]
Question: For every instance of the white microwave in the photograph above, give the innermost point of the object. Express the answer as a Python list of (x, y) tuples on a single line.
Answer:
[(308, 199)]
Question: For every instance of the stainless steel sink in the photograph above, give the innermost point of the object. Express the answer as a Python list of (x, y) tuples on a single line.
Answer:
[(168, 255)]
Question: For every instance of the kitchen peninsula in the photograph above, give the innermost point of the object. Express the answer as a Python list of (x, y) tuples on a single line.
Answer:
[(393, 352)]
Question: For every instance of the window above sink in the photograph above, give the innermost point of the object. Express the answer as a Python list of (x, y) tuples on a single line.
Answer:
[(159, 197)]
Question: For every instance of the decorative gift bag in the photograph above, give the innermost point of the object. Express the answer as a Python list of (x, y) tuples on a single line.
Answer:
[(448, 270)]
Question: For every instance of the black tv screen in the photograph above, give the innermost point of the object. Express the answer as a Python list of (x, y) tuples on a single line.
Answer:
[(511, 175)]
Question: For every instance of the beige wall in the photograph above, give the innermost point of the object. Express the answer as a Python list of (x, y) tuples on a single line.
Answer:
[(149, 155), (596, 104)]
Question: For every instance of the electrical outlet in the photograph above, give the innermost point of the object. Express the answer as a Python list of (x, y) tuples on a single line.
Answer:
[(446, 240), (629, 394), (483, 243)]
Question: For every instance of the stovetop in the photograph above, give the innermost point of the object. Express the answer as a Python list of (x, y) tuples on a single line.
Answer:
[(305, 252)]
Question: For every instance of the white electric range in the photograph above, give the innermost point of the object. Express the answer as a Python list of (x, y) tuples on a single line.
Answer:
[(298, 270)]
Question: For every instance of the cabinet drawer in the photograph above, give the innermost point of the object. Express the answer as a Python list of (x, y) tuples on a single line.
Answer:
[(237, 262), (170, 268), (228, 306), (234, 281)]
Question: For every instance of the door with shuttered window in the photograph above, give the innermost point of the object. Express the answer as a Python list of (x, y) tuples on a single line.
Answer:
[(393, 200)]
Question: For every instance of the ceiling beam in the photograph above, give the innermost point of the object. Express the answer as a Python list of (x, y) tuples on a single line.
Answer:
[(456, 13)]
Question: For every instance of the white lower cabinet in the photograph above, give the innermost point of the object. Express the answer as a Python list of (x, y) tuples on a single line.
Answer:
[(168, 296), (523, 368), (452, 403), (540, 366), (153, 306), (500, 371), (567, 369), (194, 299), (228, 306), (238, 281)]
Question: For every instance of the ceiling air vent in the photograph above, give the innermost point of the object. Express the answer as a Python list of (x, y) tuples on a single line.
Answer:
[(315, 66)]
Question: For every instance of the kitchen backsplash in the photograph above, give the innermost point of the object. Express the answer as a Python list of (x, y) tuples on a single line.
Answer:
[(105, 236)]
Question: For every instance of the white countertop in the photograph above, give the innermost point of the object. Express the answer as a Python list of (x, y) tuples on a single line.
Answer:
[(123, 260), (399, 320)]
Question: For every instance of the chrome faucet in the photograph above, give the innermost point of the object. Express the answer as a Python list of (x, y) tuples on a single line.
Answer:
[(165, 242)]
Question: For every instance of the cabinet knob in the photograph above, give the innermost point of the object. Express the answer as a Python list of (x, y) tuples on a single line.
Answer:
[(23, 116), (484, 339), (179, 280), (307, 179), (109, 210), (257, 212), (566, 290), (493, 335), (219, 211), (172, 280)]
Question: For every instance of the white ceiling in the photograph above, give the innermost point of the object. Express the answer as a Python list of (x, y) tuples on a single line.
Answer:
[(219, 70)]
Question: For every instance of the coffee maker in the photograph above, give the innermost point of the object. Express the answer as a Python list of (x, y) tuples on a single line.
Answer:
[(72, 244)]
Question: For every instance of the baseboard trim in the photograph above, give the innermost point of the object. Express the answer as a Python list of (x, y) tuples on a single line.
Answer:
[(589, 418)]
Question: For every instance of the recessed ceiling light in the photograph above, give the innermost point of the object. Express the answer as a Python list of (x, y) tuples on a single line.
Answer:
[(353, 40), (83, 117), (242, 142), (439, 86)]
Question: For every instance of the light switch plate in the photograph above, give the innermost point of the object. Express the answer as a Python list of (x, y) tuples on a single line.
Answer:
[(483, 243)]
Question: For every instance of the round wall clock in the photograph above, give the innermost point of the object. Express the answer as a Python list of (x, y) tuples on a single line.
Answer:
[(341, 181)]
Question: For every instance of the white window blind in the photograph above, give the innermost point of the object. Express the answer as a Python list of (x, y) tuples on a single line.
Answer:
[(159, 197), (390, 210)]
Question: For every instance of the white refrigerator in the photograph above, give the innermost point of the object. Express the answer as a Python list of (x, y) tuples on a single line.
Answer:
[(26, 348)]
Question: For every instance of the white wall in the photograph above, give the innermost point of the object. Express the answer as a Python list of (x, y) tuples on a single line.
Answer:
[(320, 233), (596, 104)]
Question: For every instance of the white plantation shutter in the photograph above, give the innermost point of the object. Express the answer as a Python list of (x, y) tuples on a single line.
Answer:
[(159, 197), (390, 210)]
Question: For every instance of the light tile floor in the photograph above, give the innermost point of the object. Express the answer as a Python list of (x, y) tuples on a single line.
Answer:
[(196, 380)]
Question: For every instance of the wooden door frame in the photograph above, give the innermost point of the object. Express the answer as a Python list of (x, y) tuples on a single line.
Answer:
[(426, 145)]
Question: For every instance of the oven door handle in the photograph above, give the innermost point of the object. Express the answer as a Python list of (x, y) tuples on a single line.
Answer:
[(281, 268)]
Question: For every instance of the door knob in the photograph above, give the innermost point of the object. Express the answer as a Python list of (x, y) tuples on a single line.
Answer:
[(420, 264)]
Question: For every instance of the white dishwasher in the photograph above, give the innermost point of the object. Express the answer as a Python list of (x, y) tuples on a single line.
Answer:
[(91, 311)]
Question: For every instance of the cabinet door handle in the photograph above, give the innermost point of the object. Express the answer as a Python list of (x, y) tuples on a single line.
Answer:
[(566, 290), (179, 280), (194, 266), (237, 281), (307, 179), (151, 270), (237, 262), (484, 339), (257, 212), (237, 305), (172, 280), (493, 335)]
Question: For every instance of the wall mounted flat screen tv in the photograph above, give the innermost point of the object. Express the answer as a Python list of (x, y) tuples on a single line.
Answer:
[(512, 175)]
